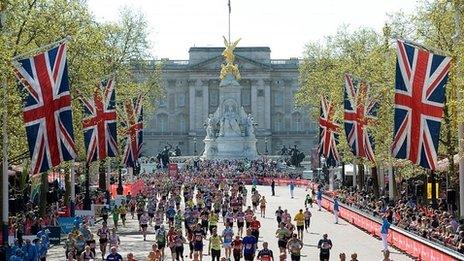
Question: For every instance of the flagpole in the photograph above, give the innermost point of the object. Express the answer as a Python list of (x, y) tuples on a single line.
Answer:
[(5, 206), (73, 188), (229, 19), (425, 47), (5, 197), (457, 40), (41, 49)]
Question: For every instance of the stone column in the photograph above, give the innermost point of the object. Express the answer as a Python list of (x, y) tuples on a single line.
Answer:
[(205, 100), (254, 98), (191, 108), (267, 105)]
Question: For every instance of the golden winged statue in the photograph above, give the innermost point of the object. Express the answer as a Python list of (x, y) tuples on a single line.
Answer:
[(229, 56)]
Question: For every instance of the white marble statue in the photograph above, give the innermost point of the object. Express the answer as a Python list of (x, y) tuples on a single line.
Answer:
[(229, 123), (209, 127), (250, 132)]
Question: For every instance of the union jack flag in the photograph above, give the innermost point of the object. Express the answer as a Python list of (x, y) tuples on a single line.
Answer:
[(421, 77), (360, 111), (99, 123), (328, 133), (47, 108), (134, 134)]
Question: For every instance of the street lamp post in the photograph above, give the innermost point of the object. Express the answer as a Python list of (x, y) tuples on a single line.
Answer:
[(120, 189), (194, 146), (265, 144), (87, 200)]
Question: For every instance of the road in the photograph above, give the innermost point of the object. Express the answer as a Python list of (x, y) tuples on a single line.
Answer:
[(345, 237)]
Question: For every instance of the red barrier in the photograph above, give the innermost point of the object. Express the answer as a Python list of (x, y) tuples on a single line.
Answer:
[(133, 188), (403, 240), (278, 181), (137, 187)]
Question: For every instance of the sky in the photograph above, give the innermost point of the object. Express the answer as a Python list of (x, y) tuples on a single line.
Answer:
[(283, 25)]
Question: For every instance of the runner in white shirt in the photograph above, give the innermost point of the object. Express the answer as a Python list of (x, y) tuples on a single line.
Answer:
[(307, 215), (113, 239), (144, 224)]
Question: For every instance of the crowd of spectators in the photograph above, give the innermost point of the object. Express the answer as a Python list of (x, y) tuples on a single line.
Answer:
[(437, 225)]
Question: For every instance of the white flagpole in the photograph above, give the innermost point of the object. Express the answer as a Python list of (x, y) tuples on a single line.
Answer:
[(230, 9), (457, 40), (331, 179), (73, 187), (391, 195)]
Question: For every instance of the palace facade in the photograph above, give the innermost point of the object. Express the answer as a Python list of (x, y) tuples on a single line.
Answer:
[(192, 93)]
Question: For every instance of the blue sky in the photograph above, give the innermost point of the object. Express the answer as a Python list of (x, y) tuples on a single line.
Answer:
[(284, 26)]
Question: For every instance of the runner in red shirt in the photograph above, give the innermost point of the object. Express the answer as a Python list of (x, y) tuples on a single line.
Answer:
[(172, 241), (255, 226), (237, 247)]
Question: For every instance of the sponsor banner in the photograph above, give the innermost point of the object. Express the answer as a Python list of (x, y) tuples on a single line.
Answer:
[(86, 215), (11, 239), (407, 242), (68, 223), (173, 169), (278, 181), (55, 235)]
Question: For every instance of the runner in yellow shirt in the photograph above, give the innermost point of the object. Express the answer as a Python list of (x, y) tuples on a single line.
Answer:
[(213, 221), (300, 220), (215, 243)]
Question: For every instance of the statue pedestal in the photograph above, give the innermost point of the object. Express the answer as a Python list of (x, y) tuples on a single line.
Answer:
[(237, 147), (230, 131), (230, 148)]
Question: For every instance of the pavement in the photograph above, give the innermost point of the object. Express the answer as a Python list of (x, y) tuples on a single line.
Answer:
[(345, 237)]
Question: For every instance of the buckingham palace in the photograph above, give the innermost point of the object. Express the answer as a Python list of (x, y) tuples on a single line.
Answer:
[(192, 93)]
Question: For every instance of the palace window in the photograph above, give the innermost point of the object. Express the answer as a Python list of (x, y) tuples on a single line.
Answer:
[(180, 100), (297, 122), (172, 101), (182, 123), (246, 97), (278, 98), (162, 122), (162, 103), (214, 97), (278, 122)]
